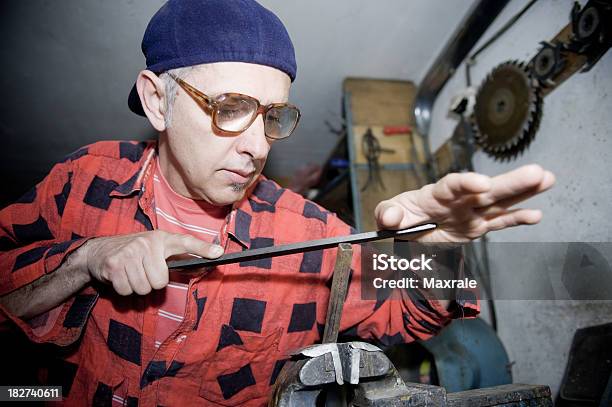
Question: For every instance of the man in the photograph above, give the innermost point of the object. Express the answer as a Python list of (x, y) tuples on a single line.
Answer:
[(84, 252)]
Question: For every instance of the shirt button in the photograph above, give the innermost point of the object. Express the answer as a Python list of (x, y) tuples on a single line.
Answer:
[(181, 338)]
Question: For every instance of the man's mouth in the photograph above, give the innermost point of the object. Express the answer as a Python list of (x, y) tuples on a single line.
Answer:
[(239, 176)]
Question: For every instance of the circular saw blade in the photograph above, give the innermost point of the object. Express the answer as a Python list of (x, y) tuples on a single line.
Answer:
[(507, 111)]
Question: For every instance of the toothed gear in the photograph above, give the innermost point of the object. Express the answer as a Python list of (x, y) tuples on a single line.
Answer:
[(508, 111), (587, 22), (548, 62)]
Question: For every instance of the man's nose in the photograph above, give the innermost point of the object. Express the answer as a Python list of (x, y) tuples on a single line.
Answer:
[(253, 141)]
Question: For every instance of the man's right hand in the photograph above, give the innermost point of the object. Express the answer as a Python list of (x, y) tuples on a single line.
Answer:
[(136, 263)]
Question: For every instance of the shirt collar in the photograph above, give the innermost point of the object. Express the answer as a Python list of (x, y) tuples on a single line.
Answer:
[(140, 168), (238, 220), (240, 217)]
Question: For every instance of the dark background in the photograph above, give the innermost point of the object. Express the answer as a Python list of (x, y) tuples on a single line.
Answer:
[(64, 82)]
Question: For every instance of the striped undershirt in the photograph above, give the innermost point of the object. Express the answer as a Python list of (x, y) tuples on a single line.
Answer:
[(178, 214)]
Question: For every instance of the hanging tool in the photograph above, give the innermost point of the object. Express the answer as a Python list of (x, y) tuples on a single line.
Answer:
[(396, 130), (372, 150)]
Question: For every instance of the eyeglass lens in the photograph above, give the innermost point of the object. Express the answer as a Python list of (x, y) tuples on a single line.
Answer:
[(235, 114), (280, 122)]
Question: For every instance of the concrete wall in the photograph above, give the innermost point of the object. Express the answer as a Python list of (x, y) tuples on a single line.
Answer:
[(574, 142)]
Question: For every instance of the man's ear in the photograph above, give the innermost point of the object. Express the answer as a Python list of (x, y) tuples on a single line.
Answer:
[(152, 97)]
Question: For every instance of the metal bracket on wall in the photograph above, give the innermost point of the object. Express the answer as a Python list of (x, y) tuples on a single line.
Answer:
[(469, 31)]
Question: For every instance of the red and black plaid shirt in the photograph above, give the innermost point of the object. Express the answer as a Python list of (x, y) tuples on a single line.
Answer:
[(241, 320)]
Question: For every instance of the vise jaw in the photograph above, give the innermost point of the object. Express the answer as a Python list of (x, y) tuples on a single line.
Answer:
[(375, 380)]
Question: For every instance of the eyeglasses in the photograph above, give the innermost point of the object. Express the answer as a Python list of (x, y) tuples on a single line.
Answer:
[(233, 113)]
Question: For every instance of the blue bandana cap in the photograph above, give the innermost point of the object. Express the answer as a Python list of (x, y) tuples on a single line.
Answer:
[(192, 32)]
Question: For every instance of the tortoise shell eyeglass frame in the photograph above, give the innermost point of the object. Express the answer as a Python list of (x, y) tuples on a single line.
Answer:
[(211, 107)]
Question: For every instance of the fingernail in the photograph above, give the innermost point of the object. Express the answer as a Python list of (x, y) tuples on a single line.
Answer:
[(217, 250)]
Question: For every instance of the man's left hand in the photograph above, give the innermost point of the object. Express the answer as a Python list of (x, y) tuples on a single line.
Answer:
[(467, 205)]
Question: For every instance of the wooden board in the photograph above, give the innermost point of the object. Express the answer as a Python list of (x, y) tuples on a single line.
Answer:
[(419, 144), (395, 181), (376, 102), (401, 143), (443, 158)]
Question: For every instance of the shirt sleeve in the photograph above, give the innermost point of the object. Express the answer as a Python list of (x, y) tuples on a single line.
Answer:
[(33, 244), (410, 315)]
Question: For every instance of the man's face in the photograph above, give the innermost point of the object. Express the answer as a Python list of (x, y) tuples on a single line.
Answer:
[(204, 165)]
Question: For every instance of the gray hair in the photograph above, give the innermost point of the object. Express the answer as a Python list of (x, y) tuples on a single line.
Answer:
[(171, 88)]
